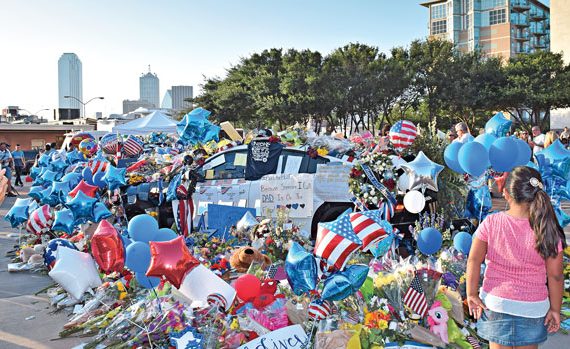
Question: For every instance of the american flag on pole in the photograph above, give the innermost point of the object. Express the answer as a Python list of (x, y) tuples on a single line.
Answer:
[(336, 241), (402, 134), (415, 298), (367, 227), (132, 147)]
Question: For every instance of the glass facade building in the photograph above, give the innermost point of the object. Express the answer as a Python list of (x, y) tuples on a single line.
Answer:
[(69, 83), (149, 89), (495, 27)]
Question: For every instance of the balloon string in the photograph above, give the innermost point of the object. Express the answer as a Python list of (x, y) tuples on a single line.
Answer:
[(156, 295)]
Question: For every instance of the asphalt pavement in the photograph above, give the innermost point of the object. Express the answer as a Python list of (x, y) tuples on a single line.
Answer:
[(28, 320)]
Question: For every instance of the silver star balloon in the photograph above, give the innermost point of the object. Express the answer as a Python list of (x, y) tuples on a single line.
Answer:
[(422, 173)]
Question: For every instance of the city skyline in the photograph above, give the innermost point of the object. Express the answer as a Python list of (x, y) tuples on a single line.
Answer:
[(183, 42)]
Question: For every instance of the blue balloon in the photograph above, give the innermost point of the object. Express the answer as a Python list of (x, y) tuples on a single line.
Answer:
[(87, 175), (115, 177), (34, 172), (35, 192), (58, 165), (473, 158), (147, 281), (72, 178), (164, 234), (59, 191), (47, 198), (504, 154), (98, 179), (383, 246), (53, 245), (301, 269), (44, 160), (75, 156), (563, 217), (532, 165), (142, 228), (462, 242), (100, 212), (17, 215), (429, 241), (138, 257), (49, 176), (450, 155), (478, 203), (486, 139), (498, 125), (524, 153), (555, 151), (196, 128), (344, 283), (64, 221), (82, 207)]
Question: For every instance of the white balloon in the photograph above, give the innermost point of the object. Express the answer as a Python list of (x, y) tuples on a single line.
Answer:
[(75, 271), (403, 182), (414, 201)]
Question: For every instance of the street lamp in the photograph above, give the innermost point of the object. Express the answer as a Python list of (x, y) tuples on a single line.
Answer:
[(83, 104)]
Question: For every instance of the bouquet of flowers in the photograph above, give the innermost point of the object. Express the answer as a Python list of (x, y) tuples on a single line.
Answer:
[(363, 188)]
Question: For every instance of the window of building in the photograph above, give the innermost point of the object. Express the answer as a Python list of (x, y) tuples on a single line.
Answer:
[(438, 11), (467, 6), (497, 16), (38, 143), (438, 27), (489, 4)]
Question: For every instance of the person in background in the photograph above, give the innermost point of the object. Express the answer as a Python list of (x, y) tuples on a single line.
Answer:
[(451, 136), (521, 297), (481, 131), (549, 138), (463, 135), (537, 142), (565, 136), (523, 135), (6, 162), (19, 163)]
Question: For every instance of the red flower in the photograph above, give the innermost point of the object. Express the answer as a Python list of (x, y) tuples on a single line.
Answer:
[(274, 139), (390, 184), (355, 173)]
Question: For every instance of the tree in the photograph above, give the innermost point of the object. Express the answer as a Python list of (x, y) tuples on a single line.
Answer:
[(536, 83)]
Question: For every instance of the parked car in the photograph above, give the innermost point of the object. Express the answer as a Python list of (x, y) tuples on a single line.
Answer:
[(30, 156), (224, 182)]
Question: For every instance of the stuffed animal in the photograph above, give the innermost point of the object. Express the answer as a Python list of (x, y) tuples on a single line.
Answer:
[(244, 256), (454, 334), (437, 321)]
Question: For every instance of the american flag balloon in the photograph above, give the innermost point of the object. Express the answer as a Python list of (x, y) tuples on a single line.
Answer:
[(320, 309), (402, 134), (40, 220), (369, 227), (110, 143), (132, 147), (217, 299), (336, 241)]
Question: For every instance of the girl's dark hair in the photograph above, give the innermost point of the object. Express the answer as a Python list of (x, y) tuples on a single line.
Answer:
[(524, 184)]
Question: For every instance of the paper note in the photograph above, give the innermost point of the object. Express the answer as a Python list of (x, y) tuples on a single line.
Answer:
[(280, 165), (242, 203), (209, 174), (293, 164), (240, 159), (225, 203), (203, 207), (217, 161)]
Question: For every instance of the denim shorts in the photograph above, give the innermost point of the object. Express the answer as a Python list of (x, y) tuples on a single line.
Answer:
[(8, 173), (511, 330)]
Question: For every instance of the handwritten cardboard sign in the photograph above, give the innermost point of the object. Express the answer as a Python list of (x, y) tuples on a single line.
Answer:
[(331, 182), (290, 337), (222, 218), (293, 191)]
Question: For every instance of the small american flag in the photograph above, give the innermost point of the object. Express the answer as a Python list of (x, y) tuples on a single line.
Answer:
[(336, 241), (415, 298), (133, 146), (366, 226), (402, 134), (271, 271), (473, 342)]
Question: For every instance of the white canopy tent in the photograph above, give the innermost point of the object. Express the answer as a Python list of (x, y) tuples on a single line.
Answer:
[(153, 122)]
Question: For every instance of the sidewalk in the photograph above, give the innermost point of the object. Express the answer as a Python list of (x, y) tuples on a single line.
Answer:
[(28, 321)]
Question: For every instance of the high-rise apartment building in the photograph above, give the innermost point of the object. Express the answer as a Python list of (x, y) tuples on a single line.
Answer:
[(179, 94), (69, 76), (149, 88), (495, 27)]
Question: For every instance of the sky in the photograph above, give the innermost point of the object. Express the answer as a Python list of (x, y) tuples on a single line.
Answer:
[(182, 40)]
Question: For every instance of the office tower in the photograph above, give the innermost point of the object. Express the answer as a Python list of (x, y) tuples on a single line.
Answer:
[(149, 88), (179, 94), (69, 73)]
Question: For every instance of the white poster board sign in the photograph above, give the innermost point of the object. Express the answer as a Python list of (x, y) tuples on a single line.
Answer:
[(290, 337), (331, 182), (293, 191)]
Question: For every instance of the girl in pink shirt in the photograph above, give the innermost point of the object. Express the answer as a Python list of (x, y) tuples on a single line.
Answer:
[(522, 248)]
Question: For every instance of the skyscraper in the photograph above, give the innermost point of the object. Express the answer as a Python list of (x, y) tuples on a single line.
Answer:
[(149, 88), (179, 94), (70, 83), (496, 27)]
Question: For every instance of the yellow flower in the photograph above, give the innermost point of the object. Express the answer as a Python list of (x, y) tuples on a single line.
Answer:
[(384, 280), (322, 152)]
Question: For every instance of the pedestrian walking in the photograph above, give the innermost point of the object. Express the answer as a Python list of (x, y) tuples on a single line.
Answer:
[(6, 162), (521, 296), (19, 163)]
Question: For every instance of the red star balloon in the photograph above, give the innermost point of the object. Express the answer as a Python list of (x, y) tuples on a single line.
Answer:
[(171, 259), (87, 189), (107, 248)]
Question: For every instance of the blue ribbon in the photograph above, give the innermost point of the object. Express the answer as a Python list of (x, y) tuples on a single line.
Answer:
[(376, 183)]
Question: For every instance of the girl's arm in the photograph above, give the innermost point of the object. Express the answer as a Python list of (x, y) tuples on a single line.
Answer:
[(476, 258), (555, 275)]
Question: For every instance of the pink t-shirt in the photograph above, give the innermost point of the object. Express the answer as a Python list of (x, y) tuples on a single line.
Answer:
[(514, 269)]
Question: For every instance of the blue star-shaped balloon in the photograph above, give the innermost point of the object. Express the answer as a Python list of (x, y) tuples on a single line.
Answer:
[(196, 128), (115, 177), (44, 160), (35, 192), (422, 173), (498, 125), (188, 338), (345, 283), (555, 152), (64, 221), (75, 156), (72, 179), (301, 269), (19, 212), (49, 176), (35, 172), (47, 198), (100, 212), (82, 207), (50, 252), (59, 191), (58, 165)]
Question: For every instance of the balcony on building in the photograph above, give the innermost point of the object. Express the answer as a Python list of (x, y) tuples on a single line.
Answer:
[(520, 5), (537, 15), (521, 35), (519, 20)]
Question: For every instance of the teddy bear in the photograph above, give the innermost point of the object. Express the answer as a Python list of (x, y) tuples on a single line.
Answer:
[(244, 256)]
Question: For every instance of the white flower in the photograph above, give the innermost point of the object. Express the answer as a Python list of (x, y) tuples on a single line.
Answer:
[(365, 195)]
